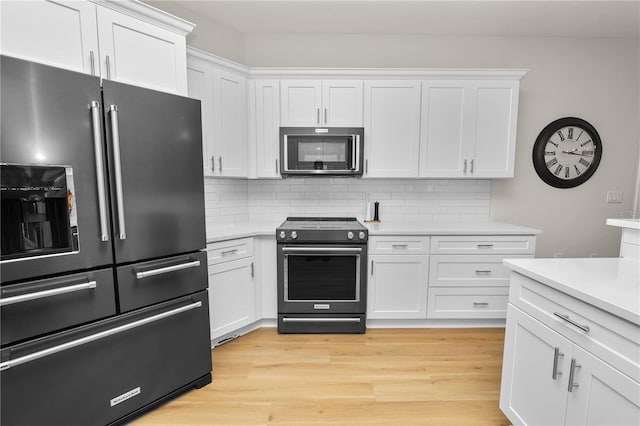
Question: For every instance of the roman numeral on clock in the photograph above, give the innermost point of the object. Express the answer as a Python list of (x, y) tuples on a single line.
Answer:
[(577, 170), (583, 144), (566, 173), (570, 131), (561, 136), (584, 162), (552, 143), (549, 153), (551, 162), (558, 170)]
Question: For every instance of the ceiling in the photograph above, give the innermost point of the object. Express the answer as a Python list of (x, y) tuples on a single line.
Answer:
[(463, 18)]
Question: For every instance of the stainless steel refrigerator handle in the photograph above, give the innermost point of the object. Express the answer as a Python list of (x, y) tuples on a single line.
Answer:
[(584, 328), (321, 319), (92, 338), (556, 354), (166, 269), (92, 62), (102, 192), (321, 250), (47, 293), (113, 112)]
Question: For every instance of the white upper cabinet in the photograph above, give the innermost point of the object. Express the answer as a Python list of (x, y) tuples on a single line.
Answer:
[(335, 103), (468, 128), (108, 40), (200, 79), (392, 128), (264, 128)]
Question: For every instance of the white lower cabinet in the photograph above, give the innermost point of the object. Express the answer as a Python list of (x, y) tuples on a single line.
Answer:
[(550, 379), (232, 291)]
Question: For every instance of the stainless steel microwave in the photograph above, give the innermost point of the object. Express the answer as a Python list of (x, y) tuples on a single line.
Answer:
[(312, 151)]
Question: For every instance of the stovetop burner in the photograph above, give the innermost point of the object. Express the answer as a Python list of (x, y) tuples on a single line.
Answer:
[(322, 229)]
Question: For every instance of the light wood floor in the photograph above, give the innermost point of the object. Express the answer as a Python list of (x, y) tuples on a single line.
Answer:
[(384, 377)]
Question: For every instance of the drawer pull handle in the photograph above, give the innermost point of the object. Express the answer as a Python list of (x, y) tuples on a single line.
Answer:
[(47, 293), (402, 246), (566, 318), (224, 253), (483, 271), (93, 337), (480, 303), (146, 274), (572, 371), (484, 245), (556, 354)]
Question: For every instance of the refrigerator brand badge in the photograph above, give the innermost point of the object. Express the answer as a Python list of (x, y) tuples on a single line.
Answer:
[(121, 398)]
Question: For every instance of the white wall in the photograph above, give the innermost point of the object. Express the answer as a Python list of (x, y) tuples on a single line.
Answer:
[(594, 79)]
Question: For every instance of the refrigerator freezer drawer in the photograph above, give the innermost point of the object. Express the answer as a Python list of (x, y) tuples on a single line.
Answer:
[(34, 308), (144, 284), (110, 369)]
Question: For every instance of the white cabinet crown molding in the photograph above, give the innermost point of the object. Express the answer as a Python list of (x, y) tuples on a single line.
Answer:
[(390, 73), (149, 14), (217, 60)]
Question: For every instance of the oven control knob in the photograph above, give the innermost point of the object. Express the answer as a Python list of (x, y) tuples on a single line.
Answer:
[(283, 234), (350, 235), (294, 234), (361, 235)]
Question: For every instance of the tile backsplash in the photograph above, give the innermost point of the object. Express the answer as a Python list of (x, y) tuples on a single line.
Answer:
[(231, 201)]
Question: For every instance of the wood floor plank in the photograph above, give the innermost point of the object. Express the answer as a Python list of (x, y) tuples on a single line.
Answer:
[(384, 377)]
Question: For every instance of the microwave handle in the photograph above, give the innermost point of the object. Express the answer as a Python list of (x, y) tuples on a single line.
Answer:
[(354, 149)]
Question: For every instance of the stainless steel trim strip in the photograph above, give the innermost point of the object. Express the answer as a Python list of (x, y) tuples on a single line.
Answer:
[(47, 293), (159, 271), (113, 113), (322, 319), (92, 338), (556, 354), (566, 318), (102, 192)]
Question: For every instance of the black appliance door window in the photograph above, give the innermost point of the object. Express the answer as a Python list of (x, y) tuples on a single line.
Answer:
[(322, 276), (320, 153)]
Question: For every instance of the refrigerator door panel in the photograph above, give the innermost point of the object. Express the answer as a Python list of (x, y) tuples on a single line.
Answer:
[(143, 284), (47, 119), (155, 147), (110, 368), (34, 308)]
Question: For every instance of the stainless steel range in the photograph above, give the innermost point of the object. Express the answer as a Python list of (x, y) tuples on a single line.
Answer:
[(322, 284)]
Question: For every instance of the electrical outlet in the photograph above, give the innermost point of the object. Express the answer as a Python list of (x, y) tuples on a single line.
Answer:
[(614, 196)]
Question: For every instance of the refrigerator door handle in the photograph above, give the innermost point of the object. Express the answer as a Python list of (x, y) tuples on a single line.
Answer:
[(167, 269), (97, 147), (113, 113), (47, 293), (93, 337)]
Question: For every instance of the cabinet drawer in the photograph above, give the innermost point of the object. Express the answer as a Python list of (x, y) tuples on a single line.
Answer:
[(481, 244), (467, 302), (225, 251), (595, 330), (469, 270), (401, 244)]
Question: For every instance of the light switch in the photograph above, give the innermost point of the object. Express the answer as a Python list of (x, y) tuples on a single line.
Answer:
[(614, 196)]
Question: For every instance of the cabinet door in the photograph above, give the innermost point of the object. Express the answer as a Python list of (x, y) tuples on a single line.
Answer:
[(496, 113), (230, 122), (397, 287), (530, 392), (392, 128), (266, 127), (200, 87), (445, 130), (59, 33), (342, 103), (300, 102), (601, 395), (232, 297), (136, 52)]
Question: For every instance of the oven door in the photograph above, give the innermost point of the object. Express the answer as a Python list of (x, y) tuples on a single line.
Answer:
[(321, 279)]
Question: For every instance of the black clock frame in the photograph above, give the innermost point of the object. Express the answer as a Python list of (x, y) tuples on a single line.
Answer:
[(541, 142)]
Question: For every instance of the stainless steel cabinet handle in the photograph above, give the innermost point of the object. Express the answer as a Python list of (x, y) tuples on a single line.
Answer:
[(366, 166), (92, 62), (167, 269), (372, 268), (471, 168), (226, 252), (108, 62), (403, 246), (318, 115), (220, 164), (566, 318), (572, 370), (325, 116), (92, 338), (465, 167), (102, 192), (213, 163), (277, 169), (253, 272), (483, 271), (286, 319), (484, 245), (355, 250), (556, 354), (47, 293), (480, 303), (113, 113)]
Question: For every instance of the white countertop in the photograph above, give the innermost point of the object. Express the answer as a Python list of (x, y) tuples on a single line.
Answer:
[(611, 284), (625, 223), (241, 230)]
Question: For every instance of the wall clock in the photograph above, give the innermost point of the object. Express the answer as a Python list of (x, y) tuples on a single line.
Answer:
[(567, 152)]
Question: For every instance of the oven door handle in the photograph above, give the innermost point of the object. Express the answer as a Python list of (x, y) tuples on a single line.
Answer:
[(323, 250), (320, 319)]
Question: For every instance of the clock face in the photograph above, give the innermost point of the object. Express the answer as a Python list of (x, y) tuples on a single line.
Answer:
[(567, 152)]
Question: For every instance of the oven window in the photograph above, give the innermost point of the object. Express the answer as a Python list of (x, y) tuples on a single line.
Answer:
[(322, 278), (38, 211)]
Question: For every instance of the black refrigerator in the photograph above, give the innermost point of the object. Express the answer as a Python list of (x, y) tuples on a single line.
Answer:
[(103, 273)]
